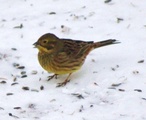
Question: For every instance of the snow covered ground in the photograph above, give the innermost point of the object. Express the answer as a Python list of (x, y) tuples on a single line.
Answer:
[(110, 86)]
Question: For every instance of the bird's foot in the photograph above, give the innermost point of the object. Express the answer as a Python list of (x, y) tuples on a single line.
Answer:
[(63, 83), (52, 76)]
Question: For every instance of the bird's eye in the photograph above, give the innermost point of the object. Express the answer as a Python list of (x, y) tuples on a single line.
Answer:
[(44, 41)]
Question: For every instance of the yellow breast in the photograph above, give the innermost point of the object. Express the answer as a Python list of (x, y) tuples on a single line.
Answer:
[(49, 64)]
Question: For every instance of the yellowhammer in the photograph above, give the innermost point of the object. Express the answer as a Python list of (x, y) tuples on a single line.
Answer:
[(65, 56)]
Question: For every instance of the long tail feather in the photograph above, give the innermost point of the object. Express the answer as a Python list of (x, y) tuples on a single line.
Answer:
[(105, 42)]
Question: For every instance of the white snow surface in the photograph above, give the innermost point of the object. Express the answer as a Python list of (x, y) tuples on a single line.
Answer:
[(111, 85)]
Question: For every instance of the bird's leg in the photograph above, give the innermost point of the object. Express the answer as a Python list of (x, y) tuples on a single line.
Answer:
[(52, 76), (65, 82)]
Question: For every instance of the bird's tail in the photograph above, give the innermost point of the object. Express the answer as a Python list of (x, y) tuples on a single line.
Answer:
[(105, 42)]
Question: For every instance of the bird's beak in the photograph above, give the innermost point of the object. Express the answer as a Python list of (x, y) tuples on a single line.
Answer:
[(35, 44)]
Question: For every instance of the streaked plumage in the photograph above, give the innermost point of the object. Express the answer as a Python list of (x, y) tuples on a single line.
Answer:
[(65, 56)]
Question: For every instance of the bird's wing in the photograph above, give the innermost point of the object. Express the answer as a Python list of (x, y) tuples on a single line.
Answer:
[(76, 48), (73, 53)]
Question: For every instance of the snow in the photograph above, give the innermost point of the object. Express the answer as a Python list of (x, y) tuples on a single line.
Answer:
[(111, 85)]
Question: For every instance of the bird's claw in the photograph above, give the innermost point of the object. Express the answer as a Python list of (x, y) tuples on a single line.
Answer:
[(63, 83), (52, 76)]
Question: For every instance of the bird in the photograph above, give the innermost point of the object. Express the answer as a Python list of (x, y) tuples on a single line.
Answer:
[(65, 56)]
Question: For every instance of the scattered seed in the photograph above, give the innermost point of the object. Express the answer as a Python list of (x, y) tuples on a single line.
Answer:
[(93, 60), (20, 67), (10, 114), (15, 78), (17, 108), (42, 87), (107, 1), (52, 13), (15, 83), (141, 61), (13, 49), (1, 108), (25, 88), (119, 20), (34, 72), (34, 90), (135, 72), (91, 105), (78, 95), (81, 109), (3, 82), (23, 76), (116, 85), (53, 100), (95, 84), (138, 90), (15, 64), (113, 69), (20, 26), (122, 90), (23, 72), (117, 66), (144, 98), (32, 106), (62, 26), (65, 29), (9, 94)]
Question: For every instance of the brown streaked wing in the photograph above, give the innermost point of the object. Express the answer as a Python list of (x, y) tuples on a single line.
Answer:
[(72, 54), (76, 48)]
